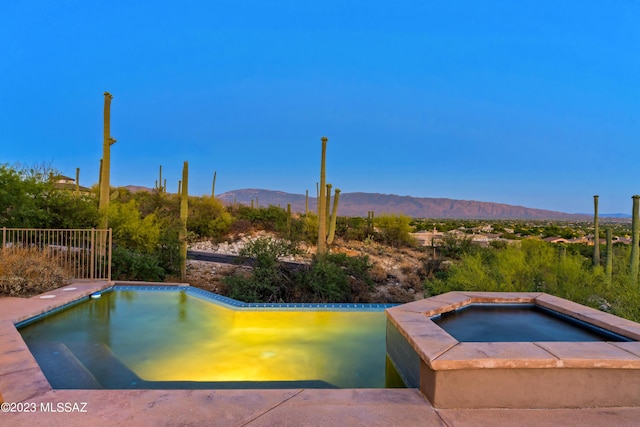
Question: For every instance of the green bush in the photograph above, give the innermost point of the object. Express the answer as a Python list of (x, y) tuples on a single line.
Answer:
[(394, 230), (336, 278), (329, 278), (269, 281), (455, 247), (271, 218), (325, 281), (542, 267), (133, 231), (128, 264), (29, 198), (208, 217), (355, 228)]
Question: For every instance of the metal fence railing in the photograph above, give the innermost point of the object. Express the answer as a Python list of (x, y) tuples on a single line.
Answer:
[(84, 253)]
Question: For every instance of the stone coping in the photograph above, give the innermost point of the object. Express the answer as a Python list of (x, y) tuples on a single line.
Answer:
[(440, 351)]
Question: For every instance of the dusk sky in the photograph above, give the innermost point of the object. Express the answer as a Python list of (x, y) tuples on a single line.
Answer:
[(532, 103)]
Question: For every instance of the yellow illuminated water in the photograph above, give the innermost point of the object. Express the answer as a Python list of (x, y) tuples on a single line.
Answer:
[(172, 336)]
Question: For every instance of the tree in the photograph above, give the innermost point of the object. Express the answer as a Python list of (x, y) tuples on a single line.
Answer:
[(395, 230), (29, 199)]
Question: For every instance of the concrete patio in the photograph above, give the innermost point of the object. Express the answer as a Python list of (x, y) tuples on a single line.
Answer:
[(24, 387)]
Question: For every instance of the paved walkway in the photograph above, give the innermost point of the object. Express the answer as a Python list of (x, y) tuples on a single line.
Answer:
[(24, 387)]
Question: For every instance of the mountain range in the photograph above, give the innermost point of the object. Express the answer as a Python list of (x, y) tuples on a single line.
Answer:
[(358, 204)]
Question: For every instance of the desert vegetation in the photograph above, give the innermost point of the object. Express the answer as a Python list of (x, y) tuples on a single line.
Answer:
[(373, 259), (538, 266), (27, 271)]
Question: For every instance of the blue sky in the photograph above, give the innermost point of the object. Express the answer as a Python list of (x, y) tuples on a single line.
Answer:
[(532, 103)]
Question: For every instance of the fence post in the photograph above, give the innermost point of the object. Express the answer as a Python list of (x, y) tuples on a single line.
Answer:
[(92, 255), (4, 238), (109, 257)]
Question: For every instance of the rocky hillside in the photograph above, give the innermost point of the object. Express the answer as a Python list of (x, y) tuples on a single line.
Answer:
[(398, 273)]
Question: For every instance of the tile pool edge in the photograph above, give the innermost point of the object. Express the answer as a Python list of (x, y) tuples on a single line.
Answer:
[(77, 296)]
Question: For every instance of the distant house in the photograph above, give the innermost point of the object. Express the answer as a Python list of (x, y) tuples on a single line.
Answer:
[(625, 240), (66, 183), (61, 179), (580, 240), (428, 238), (556, 240), (479, 238)]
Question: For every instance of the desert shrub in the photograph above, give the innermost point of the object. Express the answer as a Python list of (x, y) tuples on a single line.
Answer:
[(412, 281), (455, 247), (310, 228), (208, 217), (535, 267), (144, 242), (377, 273), (399, 295), (329, 278), (154, 202), (131, 230), (271, 218), (25, 272), (167, 250), (355, 228), (269, 281), (394, 230), (240, 225), (325, 281), (129, 264), (336, 278), (407, 268)]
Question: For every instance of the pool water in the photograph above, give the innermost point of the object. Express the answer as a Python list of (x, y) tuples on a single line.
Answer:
[(138, 339), (518, 323)]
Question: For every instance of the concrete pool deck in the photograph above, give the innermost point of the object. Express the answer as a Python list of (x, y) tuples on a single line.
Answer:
[(24, 387)]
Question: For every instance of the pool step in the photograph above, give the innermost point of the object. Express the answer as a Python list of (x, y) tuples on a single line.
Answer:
[(105, 365), (61, 367)]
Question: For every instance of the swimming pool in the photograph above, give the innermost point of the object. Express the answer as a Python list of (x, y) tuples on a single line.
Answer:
[(172, 337), (518, 323)]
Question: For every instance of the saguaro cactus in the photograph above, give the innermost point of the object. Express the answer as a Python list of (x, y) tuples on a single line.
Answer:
[(159, 182), (370, 222), (596, 233), (328, 206), (77, 180), (213, 185), (334, 216), (184, 213), (108, 141), (100, 179), (635, 229), (322, 219), (306, 203)]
